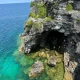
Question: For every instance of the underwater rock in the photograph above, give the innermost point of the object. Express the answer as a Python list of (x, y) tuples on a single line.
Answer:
[(36, 69)]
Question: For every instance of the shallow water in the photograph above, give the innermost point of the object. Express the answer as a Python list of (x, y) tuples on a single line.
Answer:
[(12, 18)]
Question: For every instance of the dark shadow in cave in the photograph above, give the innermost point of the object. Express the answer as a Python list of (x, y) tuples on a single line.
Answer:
[(52, 40), (55, 40)]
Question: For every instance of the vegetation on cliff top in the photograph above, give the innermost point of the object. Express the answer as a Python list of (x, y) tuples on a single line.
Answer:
[(41, 11), (32, 4)]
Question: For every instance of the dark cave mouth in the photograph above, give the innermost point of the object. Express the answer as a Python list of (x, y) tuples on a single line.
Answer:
[(53, 40)]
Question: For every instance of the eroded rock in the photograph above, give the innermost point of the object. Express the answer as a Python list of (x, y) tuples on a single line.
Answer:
[(36, 69), (52, 60)]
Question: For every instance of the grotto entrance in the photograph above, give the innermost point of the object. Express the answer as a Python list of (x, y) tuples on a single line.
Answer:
[(53, 40)]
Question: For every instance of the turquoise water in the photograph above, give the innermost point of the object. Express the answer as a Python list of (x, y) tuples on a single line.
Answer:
[(12, 18)]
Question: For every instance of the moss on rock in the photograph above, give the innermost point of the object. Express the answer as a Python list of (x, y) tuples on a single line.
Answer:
[(37, 25), (69, 7)]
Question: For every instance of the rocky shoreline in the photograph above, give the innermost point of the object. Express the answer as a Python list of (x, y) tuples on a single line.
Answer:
[(54, 27)]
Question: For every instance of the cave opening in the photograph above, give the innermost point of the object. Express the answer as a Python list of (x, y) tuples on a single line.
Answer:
[(53, 40)]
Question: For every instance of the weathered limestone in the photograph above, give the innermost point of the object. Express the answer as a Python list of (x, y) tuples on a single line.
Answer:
[(36, 69)]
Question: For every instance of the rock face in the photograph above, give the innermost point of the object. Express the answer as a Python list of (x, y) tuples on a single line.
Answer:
[(41, 32), (52, 61), (70, 65), (36, 69), (61, 33)]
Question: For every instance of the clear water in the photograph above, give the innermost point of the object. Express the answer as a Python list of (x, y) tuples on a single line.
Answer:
[(12, 18)]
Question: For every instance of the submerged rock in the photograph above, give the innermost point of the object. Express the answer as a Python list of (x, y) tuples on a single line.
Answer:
[(36, 69)]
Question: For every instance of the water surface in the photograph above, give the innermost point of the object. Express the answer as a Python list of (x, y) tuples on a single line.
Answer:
[(12, 18)]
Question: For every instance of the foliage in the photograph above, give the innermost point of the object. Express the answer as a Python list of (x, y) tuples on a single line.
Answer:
[(29, 23), (78, 19), (32, 4), (37, 25), (41, 10), (40, 5), (69, 7), (48, 19), (33, 15)]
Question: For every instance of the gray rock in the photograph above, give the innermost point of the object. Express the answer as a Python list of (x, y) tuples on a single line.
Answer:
[(52, 60), (36, 69), (66, 59), (78, 48)]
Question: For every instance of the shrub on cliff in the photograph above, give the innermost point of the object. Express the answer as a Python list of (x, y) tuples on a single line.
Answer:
[(29, 23), (37, 25), (48, 19), (33, 15), (32, 4), (69, 7), (41, 10)]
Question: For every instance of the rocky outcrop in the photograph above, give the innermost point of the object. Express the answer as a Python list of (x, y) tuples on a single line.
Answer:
[(70, 65), (61, 33), (52, 61), (37, 33), (36, 69)]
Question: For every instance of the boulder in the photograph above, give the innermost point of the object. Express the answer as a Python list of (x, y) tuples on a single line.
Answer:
[(52, 60), (36, 69)]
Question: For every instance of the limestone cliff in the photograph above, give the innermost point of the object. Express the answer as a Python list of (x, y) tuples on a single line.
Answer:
[(55, 25)]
